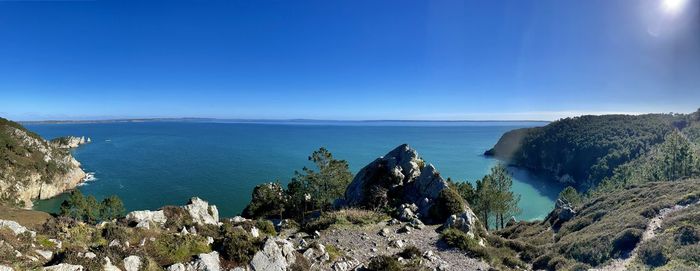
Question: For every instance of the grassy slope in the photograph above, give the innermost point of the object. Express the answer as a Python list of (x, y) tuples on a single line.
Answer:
[(606, 227)]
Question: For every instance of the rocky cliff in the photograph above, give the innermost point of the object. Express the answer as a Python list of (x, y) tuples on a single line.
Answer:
[(32, 168)]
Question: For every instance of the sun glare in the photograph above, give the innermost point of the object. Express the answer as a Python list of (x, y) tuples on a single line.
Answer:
[(672, 6)]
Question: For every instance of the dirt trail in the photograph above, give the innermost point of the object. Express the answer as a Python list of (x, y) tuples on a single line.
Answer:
[(649, 233)]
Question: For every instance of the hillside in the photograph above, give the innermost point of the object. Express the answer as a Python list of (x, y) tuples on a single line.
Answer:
[(583, 151), (651, 225), (32, 168)]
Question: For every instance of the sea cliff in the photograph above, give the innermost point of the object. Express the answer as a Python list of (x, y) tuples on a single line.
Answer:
[(33, 168)]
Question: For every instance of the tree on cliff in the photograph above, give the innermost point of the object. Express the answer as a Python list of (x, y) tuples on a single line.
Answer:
[(493, 198), (89, 210), (268, 200), (324, 185)]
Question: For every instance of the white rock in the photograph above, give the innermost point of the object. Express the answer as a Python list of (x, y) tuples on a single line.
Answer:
[(132, 263), (201, 212), (64, 267), (108, 266), (207, 262), (15, 227), (90, 255), (114, 243), (396, 244), (177, 267), (184, 231), (271, 257), (255, 232), (238, 219), (44, 253), (6, 268), (143, 217), (210, 240)]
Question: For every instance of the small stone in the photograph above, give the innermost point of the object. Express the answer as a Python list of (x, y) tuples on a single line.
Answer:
[(44, 253), (396, 244), (385, 232), (254, 232)]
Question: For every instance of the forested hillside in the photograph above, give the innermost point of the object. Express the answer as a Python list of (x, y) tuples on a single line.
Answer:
[(586, 150)]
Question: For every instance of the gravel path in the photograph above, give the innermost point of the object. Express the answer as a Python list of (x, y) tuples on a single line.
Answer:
[(363, 243), (649, 233)]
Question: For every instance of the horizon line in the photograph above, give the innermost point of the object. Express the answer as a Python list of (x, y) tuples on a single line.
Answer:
[(55, 121)]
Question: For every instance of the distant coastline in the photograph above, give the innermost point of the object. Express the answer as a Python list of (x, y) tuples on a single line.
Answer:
[(271, 121)]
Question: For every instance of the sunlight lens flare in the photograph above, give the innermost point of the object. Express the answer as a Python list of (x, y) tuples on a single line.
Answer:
[(672, 6)]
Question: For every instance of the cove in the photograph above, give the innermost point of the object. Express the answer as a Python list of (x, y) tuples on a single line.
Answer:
[(152, 164)]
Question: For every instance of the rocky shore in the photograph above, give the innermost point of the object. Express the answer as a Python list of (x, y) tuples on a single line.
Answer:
[(35, 168)]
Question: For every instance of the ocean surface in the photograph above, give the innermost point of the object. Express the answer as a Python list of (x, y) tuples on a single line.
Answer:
[(151, 164)]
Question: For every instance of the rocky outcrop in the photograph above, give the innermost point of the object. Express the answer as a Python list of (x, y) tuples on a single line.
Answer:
[(69, 142), (201, 212), (276, 255), (399, 177), (198, 210), (466, 222), (143, 219), (563, 212), (33, 168)]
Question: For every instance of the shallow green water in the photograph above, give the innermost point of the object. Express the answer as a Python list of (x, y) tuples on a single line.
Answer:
[(158, 163)]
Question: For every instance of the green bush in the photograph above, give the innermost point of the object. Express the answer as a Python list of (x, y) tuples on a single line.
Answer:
[(265, 226), (626, 241), (459, 239), (448, 202), (687, 235), (652, 254), (384, 263), (410, 252), (172, 248), (239, 246), (114, 232)]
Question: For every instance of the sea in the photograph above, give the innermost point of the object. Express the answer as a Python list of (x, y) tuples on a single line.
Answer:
[(149, 164)]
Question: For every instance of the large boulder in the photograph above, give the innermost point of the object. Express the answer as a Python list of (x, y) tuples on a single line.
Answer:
[(466, 222), (144, 218), (276, 255), (563, 212), (201, 212), (399, 177)]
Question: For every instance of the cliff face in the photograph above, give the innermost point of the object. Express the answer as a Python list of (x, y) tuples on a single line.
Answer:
[(32, 168)]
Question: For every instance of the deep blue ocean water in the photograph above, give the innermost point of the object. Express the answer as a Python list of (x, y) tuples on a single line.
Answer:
[(151, 164)]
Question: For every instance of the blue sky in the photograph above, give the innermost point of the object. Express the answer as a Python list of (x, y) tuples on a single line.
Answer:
[(347, 59)]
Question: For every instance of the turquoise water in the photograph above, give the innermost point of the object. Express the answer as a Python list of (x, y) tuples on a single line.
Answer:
[(151, 164)]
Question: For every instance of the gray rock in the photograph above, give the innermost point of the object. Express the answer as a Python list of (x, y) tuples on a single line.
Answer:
[(207, 262), (271, 257), (385, 232), (132, 263), (464, 221), (416, 184), (64, 267)]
